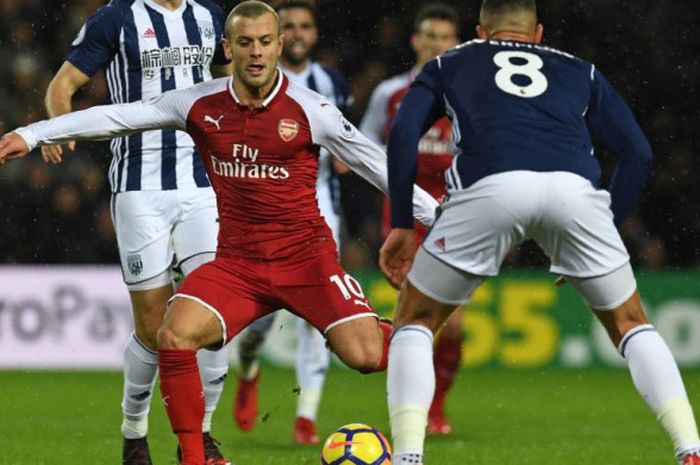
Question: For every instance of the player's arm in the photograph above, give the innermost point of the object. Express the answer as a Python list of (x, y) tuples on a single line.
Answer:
[(90, 51), (335, 133), (419, 109), (58, 102), (339, 167), (220, 66), (613, 125), (168, 111)]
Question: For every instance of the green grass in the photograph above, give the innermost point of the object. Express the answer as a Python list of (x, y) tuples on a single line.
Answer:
[(499, 417)]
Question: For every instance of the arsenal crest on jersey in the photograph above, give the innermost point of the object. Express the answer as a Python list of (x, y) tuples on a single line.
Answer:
[(287, 129)]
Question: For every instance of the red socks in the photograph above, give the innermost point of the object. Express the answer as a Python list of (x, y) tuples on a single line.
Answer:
[(448, 353), (181, 388)]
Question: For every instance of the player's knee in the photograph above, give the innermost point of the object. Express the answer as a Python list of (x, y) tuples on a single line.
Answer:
[(148, 317), (169, 338), (452, 329), (146, 330)]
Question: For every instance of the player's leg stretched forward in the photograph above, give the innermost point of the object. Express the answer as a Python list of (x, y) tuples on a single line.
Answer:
[(618, 306), (359, 339)]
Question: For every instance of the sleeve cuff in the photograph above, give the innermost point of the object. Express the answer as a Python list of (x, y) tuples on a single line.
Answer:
[(404, 222), (29, 138)]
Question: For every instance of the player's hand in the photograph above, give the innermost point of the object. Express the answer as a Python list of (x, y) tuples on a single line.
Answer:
[(561, 280), (12, 146), (53, 153), (396, 255)]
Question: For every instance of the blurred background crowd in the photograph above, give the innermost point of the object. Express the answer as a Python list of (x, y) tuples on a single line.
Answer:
[(646, 48)]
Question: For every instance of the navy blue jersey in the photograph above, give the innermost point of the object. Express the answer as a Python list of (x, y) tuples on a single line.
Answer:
[(518, 106), (145, 50)]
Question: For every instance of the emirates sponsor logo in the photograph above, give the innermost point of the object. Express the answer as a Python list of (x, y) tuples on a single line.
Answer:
[(244, 165), (287, 129)]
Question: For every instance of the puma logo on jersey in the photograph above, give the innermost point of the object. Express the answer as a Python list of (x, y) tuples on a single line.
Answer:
[(361, 302), (215, 122)]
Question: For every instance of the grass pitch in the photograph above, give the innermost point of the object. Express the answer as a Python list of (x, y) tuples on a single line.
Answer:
[(499, 417)]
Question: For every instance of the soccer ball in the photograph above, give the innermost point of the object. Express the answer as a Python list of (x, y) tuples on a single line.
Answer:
[(356, 444)]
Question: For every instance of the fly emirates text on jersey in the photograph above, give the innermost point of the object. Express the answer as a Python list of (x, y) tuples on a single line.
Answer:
[(244, 165)]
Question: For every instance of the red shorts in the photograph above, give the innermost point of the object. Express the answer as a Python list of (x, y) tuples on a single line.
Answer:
[(239, 291)]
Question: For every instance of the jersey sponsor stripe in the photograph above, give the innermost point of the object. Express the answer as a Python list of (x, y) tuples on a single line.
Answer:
[(456, 139), (194, 38), (121, 80), (200, 175), (168, 177), (116, 80), (135, 142), (311, 82)]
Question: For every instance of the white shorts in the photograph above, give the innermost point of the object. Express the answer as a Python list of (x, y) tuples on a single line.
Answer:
[(157, 230), (561, 211)]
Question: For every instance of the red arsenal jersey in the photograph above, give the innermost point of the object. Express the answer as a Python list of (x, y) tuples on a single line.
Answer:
[(435, 152), (262, 162)]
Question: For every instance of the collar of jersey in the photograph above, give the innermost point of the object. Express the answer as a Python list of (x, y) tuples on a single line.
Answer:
[(281, 78), (164, 11)]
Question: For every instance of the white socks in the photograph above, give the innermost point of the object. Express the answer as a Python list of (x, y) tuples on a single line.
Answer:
[(657, 379), (213, 367), (311, 368), (410, 385), (140, 371)]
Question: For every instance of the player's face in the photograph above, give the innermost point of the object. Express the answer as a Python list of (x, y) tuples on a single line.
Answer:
[(300, 34), (435, 37), (255, 46)]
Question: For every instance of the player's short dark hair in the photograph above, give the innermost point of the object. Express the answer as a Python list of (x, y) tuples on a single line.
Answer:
[(497, 7), (253, 9), (282, 5), (437, 10)]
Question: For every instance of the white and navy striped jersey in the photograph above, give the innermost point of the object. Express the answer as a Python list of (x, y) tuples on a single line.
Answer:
[(332, 85), (146, 50)]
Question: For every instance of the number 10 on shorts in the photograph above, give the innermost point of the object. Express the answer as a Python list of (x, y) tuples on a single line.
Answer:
[(348, 286)]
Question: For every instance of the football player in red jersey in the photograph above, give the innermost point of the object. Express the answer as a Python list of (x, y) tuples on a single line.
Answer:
[(298, 22), (436, 30), (259, 136)]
